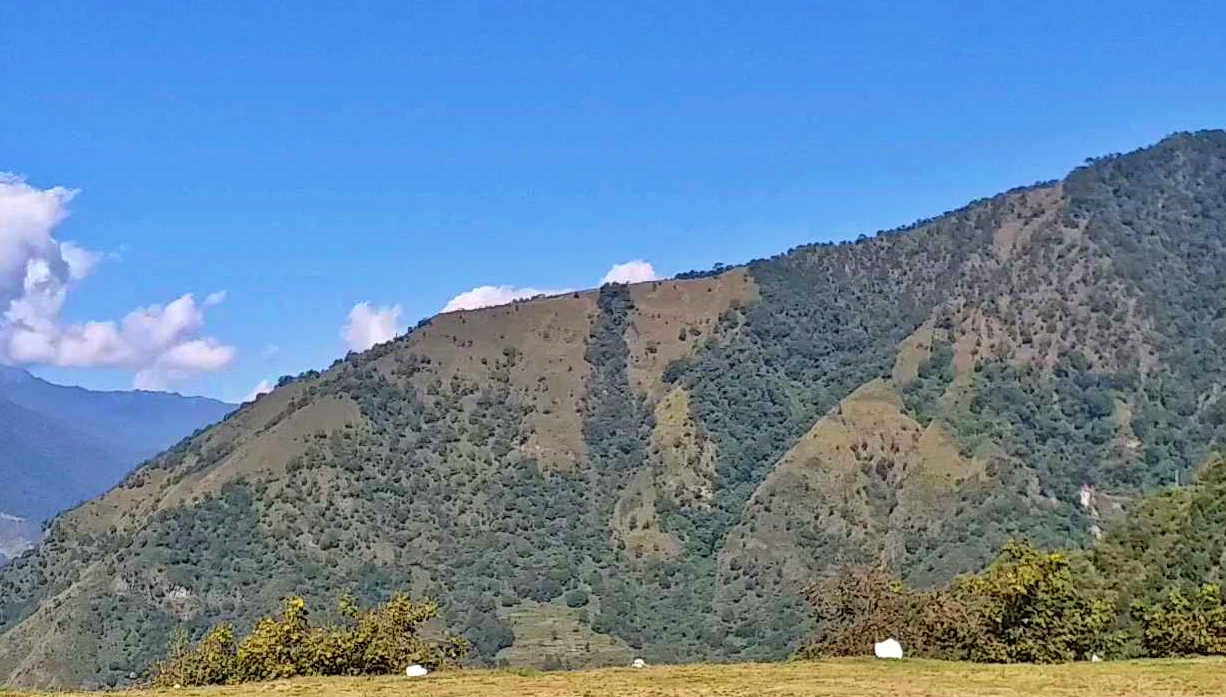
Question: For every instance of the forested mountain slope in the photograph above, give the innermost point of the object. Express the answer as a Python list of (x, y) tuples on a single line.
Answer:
[(658, 468), (1171, 539), (62, 445)]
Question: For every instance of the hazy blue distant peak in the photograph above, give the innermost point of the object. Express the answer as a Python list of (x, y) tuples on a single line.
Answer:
[(11, 375), (60, 445)]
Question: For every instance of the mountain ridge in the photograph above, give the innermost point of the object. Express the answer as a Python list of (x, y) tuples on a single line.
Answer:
[(663, 465), (62, 445)]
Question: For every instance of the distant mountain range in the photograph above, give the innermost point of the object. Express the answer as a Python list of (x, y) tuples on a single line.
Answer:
[(62, 445)]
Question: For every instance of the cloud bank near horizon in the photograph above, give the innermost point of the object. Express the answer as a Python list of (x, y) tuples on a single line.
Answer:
[(636, 271), (161, 344)]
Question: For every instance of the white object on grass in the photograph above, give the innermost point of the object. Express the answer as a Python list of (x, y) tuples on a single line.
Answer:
[(416, 671), (639, 663), (888, 649), (1095, 658)]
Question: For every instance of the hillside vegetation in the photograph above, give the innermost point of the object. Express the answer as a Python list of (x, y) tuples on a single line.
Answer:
[(661, 469), (846, 678), (1152, 588)]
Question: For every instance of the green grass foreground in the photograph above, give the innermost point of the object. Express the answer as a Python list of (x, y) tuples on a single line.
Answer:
[(840, 678)]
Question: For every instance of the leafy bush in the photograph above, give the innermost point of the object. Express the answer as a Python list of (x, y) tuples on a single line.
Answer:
[(278, 647), (1182, 624), (1027, 607), (210, 662), (859, 606), (379, 641)]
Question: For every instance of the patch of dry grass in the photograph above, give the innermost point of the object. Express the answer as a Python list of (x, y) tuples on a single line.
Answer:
[(544, 630), (825, 678), (826, 482)]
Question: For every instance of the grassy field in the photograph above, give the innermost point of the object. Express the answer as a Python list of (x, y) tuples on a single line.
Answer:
[(826, 679)]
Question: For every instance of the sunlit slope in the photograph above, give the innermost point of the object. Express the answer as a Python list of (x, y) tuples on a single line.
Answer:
[(658, 469)]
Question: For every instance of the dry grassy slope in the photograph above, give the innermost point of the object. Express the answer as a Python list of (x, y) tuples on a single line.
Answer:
[(672, 317), (545, 632), (1044, 268), (912, 352), (670, 320), (825, 485), (636, 523), (686, 455), (681, 468), (549, 334), (258, 441)]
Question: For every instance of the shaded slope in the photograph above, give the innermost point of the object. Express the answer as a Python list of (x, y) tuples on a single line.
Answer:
[(61, 445), (48, 465)]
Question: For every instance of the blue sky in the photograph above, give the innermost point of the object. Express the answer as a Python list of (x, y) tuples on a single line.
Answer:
[(306, 157)]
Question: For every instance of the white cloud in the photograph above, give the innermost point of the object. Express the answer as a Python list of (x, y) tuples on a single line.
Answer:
[(488, 296), (80, 261), (368, 326), (636, 271), (216, 298), (160, 344), (270, 350), (262, 387), (27, 216), (203, 355)]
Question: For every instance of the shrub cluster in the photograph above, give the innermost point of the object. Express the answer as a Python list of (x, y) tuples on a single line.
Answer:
[(378, 641), (1027, 607), (1183, 624)]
